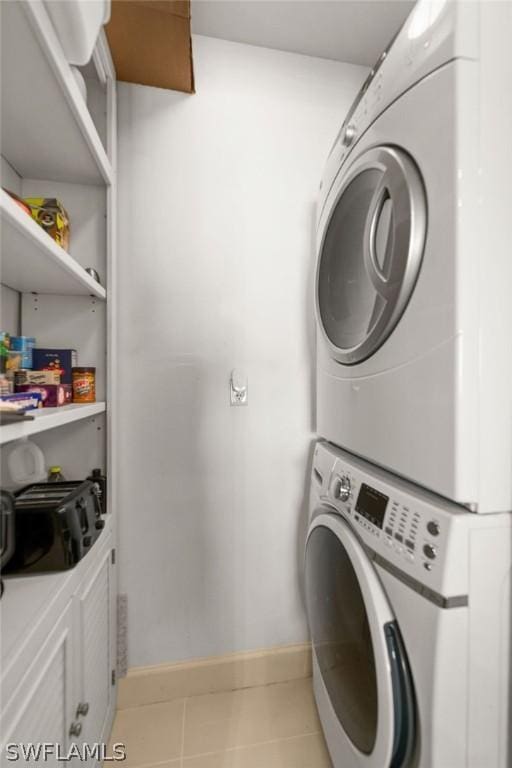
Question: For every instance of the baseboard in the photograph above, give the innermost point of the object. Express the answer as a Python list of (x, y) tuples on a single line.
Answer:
[(165, 682)]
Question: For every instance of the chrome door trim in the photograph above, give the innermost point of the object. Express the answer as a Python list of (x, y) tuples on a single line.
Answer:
[(402, 181)]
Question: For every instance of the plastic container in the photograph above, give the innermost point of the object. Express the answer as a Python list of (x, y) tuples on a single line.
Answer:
[(78, 24), (84, 384), (26, 463), (55, 475)]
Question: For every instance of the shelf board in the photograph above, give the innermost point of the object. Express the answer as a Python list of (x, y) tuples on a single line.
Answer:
[(46, 129), (49, 418), (33, 263)]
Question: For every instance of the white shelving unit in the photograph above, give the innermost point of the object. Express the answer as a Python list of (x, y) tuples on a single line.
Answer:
[(33, 263), (49, 418), (49, 136), (47, 131), (55, 144)]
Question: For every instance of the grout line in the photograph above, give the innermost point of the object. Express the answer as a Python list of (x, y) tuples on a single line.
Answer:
[(253, 745), (179, 758), (182, 750)]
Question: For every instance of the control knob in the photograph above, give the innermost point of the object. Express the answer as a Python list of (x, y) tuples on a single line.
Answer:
[(342, 489), (430, 551), (349, 135), (433, 528)]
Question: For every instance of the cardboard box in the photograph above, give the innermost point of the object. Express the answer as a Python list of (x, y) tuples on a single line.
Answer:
[(52, 395), (25, 376), (151, 43), (27, 401), (62, 360)]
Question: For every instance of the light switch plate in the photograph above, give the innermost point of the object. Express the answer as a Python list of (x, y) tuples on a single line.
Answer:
[(238, 387), (238, 397)]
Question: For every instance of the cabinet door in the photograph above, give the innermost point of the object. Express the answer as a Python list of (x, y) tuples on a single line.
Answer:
[(97, 664), (42, 708)]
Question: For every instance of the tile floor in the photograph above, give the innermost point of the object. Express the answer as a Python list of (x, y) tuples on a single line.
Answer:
[(272, 726)]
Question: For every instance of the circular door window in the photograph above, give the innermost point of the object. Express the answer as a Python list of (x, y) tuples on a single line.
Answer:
[(341, 637), (370, 253), (358, 649)]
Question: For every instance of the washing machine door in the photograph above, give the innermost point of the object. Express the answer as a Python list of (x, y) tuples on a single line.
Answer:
[(371, 239), (362, 679)]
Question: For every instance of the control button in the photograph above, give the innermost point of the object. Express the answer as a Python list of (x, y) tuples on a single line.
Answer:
[(399, 537), (410, 544), (410, 557), (389, 542), (388, 530), (427, 566), (399, 549), (430, 551), (99, 524), (87, 541), (433, 528)]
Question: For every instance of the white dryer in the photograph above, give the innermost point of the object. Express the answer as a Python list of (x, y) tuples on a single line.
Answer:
[(414, 267), (409, 607)]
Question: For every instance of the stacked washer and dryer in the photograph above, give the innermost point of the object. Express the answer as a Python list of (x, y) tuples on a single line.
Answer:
[(409, 553)]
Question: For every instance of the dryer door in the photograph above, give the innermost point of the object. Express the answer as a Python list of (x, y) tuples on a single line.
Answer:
[(362, 679), (371, 236)]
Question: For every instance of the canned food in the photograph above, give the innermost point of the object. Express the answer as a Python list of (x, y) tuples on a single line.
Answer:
[(84, 384)]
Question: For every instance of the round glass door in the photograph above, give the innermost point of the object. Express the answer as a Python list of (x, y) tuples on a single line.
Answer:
[(370, 253), (341, 637), (358, 651)]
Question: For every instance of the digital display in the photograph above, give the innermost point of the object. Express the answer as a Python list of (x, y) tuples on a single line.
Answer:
[(372, 504)]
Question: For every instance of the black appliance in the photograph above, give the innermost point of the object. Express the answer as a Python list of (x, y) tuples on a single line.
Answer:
[(6, 530), (56, 525), (101, 484)]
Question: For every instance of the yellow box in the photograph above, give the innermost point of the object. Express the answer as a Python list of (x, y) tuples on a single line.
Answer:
[(51, 215)]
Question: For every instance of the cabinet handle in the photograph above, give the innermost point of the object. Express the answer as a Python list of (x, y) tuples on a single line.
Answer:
[(82, 709), (76, 729)]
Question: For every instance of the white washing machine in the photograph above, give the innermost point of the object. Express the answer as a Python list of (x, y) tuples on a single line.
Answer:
[(409, 607), (414, 267)]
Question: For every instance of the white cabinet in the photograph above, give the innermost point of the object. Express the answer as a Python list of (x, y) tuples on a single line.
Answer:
[(66, 694), (41, 710), (96, 665)]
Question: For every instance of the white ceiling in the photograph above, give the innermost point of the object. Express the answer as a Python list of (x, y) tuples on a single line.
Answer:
[(356, 31)]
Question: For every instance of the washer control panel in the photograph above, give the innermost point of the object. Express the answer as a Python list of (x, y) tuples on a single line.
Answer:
[(409, 532), (403, 529)]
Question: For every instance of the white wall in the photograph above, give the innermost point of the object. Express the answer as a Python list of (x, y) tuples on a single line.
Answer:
[(217, 196)]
